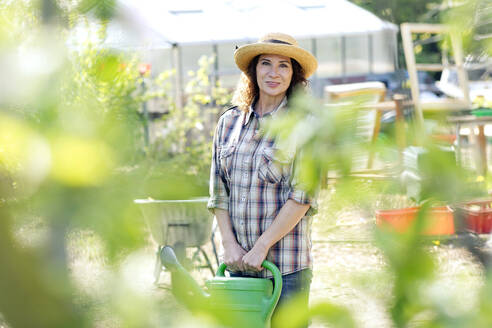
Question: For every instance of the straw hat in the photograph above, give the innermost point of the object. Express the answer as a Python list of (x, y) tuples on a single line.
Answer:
[(277, 44)]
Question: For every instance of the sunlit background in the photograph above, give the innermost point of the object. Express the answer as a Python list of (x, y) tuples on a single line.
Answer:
[(107, 111)]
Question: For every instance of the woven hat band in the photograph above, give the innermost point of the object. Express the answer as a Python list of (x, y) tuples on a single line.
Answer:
[(275, 41)]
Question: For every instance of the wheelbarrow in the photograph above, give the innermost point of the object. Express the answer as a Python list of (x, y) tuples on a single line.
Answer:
[(181, 224)]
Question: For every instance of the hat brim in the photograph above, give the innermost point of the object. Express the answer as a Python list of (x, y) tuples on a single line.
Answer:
[(244, 54)]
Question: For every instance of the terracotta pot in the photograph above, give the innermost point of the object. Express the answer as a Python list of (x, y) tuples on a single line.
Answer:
[(439, 220)]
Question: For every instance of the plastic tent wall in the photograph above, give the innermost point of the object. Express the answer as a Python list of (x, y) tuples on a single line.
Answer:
[(346, 39)]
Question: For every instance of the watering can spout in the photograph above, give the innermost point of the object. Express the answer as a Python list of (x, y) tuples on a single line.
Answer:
[(169, 259), (185, 288)]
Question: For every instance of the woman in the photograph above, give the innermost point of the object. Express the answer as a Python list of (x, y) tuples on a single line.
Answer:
[(260, 209)]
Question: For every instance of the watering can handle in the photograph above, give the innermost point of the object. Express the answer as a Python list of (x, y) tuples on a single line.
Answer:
[(277, 278)]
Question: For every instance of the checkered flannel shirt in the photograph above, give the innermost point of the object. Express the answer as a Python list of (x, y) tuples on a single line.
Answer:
[(252, 182)]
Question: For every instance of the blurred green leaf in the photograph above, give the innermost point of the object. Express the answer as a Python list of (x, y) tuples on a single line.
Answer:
[(292, 315), (102, 9)]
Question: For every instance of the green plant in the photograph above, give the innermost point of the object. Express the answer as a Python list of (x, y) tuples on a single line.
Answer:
[(70, 134), (183, 152)]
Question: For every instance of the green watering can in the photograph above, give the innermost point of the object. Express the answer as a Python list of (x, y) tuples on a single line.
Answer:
[(233, 301)]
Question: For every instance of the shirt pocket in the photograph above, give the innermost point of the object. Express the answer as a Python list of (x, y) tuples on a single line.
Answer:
[(272, 167), (225, 158)]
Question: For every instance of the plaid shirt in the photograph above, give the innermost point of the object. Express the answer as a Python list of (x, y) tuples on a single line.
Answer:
[(252, 182)]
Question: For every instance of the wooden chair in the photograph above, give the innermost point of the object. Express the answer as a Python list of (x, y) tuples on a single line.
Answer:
[(442, 104), (374, 105), (446, 105)]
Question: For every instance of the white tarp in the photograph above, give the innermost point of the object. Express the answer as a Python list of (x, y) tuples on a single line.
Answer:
[(187, 22), (346, 39), (124, 32)]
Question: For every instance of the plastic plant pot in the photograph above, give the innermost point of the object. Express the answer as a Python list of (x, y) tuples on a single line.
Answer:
[(439, 220), (478, 216)]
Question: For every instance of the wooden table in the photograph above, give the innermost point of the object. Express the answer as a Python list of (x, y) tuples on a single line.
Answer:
[(480, 122)]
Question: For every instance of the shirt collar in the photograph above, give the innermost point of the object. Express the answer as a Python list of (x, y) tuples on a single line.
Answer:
[(252, 112)]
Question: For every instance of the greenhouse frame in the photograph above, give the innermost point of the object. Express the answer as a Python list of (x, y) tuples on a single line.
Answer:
[(348, 41)]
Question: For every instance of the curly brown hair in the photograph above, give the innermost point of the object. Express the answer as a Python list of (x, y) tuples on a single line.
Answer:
[(247, 88)]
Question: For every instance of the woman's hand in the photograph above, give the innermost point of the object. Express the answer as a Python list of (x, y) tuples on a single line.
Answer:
[(254, 258), (233, 256), (290, 214), (233, 252)]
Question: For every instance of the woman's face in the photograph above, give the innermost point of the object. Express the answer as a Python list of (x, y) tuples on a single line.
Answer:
[(273, 75)]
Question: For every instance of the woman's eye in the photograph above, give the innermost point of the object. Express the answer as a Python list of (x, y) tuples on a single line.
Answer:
[(265, 63)]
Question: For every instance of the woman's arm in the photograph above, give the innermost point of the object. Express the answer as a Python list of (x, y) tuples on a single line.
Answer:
[(219, 192), (233, 252), (290, 214)]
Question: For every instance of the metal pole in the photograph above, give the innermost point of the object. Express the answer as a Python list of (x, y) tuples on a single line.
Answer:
[(314, 47), (394, 52), (145, 117), (344, 56), (178, 79), (370, 51), (215, 72), (314, 50), (216, 65)]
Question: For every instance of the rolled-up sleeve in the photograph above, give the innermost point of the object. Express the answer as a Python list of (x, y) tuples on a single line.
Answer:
[(299, 194), (219, 192), (302, 197)]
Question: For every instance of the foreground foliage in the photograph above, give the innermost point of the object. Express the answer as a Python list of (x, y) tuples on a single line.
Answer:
[(73, 157)]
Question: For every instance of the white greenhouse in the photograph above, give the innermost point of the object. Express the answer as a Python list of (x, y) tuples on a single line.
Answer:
[(348, 41)]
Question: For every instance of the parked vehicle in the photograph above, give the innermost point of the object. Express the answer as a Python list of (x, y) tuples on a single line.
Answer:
[(479, 81), (397, 82)]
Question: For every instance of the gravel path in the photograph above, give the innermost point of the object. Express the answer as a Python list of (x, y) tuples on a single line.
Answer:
[(349, 270)]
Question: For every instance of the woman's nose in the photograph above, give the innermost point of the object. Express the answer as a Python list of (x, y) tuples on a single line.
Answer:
[(273, 71)]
